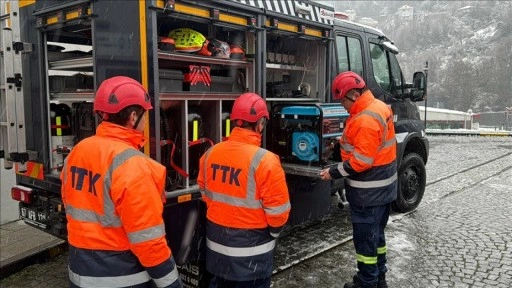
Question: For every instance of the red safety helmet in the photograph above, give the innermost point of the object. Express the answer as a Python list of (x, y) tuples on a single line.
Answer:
[(119, 92), (249, 107), (216, 48), (345, 82)]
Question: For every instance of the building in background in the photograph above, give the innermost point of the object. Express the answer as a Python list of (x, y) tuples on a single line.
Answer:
[(406, 13)]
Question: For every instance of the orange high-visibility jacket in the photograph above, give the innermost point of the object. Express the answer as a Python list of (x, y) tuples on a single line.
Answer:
[(234, 198), (247, 200), (113, 196), (368, 151)]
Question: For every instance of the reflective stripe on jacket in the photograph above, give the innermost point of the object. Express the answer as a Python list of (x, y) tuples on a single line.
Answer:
[(99, 268), (368, 151), (113, 196), (244, 187)]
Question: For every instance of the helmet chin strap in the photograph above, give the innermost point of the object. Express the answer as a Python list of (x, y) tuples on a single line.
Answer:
[(138, 120), (261, 121), (103, 115), (353, 99)]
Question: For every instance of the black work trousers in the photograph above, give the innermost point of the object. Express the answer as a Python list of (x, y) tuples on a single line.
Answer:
[(218, 282), (370, 242)]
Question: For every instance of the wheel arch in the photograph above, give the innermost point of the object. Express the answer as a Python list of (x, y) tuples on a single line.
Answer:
[(413, 143)]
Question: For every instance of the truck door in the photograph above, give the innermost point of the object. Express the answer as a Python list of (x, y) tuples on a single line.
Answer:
[(373, 56)]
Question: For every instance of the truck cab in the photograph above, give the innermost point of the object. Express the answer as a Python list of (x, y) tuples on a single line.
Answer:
[(368, 52)]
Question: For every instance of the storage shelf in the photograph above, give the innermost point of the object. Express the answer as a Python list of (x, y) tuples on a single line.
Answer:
[(72, 96), (302, 170), (288, 67), (292, 99), (198, 96), (202, 59), (183, 191), (72, 64)]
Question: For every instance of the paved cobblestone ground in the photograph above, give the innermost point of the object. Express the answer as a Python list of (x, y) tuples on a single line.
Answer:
[(463, 241), (460, 236)]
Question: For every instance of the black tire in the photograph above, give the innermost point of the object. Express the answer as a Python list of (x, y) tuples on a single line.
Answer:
[(412, 179)]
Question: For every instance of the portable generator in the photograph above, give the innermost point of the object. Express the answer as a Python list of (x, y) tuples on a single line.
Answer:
[(307, 133)]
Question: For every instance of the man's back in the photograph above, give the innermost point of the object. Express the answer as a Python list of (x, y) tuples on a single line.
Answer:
[(245, 190)]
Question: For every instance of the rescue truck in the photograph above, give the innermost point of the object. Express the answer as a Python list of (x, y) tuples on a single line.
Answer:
[(195, 58)]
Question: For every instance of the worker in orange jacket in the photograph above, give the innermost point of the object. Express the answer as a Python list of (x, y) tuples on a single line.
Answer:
[(247, 200), (113, 196), (368, 153)]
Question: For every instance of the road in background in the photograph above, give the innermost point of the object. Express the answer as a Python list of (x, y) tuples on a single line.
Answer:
[(458, 237)]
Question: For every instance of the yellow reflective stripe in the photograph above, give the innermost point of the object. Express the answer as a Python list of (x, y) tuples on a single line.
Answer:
[(313, 32), (370, 260), (52, 20), (205, 13), (382, 250), (195, 130), (58, 122), (72, 15), (228, 127), (287, 27), (24, 3), (232, 19)]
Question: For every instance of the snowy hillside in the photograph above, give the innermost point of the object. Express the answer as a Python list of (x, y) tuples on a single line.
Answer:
[(468, 46)]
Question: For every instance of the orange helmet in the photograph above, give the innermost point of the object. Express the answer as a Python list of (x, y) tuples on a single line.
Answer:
[(249, 107), (119, 92), (345, 82), (166, 44), (237, 52)]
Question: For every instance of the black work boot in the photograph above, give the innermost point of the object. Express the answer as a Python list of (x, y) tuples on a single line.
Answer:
[(382, 281), (356, 283)]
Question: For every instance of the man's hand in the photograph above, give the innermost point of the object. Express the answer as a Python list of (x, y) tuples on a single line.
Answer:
[(324, 174)]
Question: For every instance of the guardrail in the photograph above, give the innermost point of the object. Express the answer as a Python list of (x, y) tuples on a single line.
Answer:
[(469, 133)]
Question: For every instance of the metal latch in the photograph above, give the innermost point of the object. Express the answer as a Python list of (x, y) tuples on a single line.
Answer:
[(16, 80), (21, 47)]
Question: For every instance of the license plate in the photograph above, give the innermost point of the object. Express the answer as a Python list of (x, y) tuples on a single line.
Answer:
[(33, 217)]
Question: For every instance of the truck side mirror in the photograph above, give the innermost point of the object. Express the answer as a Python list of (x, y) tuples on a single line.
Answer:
[(419, 87)]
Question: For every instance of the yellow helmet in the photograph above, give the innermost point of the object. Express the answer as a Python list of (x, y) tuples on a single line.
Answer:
[(187, 40)]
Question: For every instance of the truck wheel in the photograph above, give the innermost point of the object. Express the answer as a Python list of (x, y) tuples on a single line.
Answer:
[(411, 183)]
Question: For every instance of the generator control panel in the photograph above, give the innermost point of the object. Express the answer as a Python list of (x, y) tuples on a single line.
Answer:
[(307, 133)]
